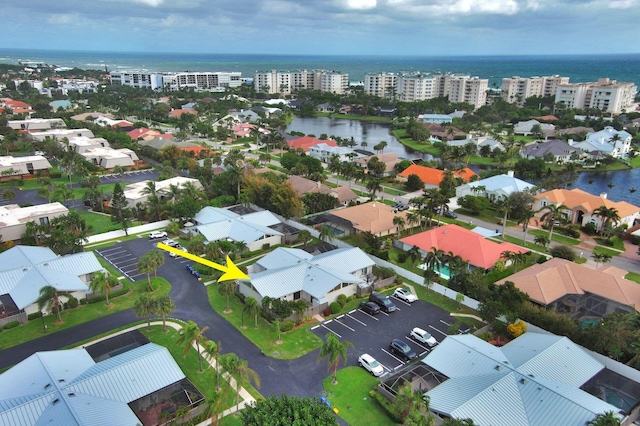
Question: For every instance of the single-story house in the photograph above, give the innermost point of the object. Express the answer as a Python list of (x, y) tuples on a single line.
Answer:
[(24, 165), (616, 143), (526, 128), (325, 107), (293, 274), (161, 142), (59, 134), (576, 130), (494, 187), (132, 387), (14, 219), (24, 270), (303, 186), (324, 152), (146, 134), (176, 113), (37, 124), (246, 116), (472, 247), (433, 177), (254, 229), (306, 142), (373, 217), (560, 150), (135, 192), (390, 159), (241, 130), (534, 380), (108, 158), (442, 133), (578, 290), (479, 142), (267, 111), (435, 118), (579, 206)]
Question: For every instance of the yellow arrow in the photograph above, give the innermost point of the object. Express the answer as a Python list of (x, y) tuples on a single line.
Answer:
[(231, 271)]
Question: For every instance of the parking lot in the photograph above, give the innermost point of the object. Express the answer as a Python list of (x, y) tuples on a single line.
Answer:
[(373, 334), (125, 256)]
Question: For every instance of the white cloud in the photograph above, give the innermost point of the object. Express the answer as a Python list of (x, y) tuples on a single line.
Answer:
[(62, 19), (359, 4), (152, 3), (458, 7), (624, 4)]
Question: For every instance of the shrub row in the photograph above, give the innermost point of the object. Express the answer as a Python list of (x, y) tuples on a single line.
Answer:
[(34, 315), (112, 295), (287, 325), (12, 324), (386, 406)]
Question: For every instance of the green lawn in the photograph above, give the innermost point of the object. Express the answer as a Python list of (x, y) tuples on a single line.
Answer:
[(351, 397), (295, 343), (633, 276), (100, 223), (613, 242), (600, 249), (557, 238), (355, 117), (83, 313)]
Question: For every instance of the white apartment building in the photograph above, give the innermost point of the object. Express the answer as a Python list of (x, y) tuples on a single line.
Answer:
[(285, 82), (417, 86), (605, 94), (176, 81), (516, 89)]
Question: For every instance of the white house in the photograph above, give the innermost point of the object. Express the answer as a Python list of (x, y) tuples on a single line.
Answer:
[(24, 165), (526, 127), (37, 124), (135, 193), (324, 152), (494, 187), (14, 219), (609, 141), (59, 134), (292, 274)]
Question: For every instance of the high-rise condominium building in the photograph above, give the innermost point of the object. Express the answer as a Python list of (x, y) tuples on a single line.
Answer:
[(605, 94), (411, 87), (516, 89), (285, 82), (176, 81)]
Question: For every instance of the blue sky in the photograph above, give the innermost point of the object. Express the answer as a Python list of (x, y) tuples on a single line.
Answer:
[(399, 27)]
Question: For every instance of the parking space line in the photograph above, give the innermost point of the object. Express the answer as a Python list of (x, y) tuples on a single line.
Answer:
[(382, 312), (313, 328), (130, 264), (121, 257), (115, 266), (445, 323), (416, 342), (356, 319), (109, 249), (324, 326), (344, 325), (441, 332), (394, 357), (370, 316), (400, 300)]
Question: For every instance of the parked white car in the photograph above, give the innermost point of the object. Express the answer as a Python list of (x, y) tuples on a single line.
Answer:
[(405, 295), (179, 247), (157, 234), (423, 337), (171, 243), (370, 364)]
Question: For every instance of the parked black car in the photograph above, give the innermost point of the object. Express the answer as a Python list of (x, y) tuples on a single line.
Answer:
[(370, 308), (403, 350), (383, 301)]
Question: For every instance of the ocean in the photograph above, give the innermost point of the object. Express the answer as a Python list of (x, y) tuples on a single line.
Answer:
[(580, 68)]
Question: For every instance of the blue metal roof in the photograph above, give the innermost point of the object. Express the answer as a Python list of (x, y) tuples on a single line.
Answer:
[(20, 256), (69, 388), (533, 380)]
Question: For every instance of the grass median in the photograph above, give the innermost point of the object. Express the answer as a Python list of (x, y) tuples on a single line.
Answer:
[(294, 343)]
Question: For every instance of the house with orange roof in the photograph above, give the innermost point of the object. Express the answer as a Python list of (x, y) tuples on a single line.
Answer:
[(474, 248), (196, 149), (578, 206), (373, 217), (144, 133), (306, 142), (17, 107), (302, 186), (577, 290), (432, 177), (176, 113), (244, 129)]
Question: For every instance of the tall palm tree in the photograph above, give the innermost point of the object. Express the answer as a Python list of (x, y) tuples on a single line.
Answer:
[(325, 233), (157, 258), (607, 216), (211, 351), (226, 288), (103, 283), (240, 371), (553, 212), (252, 306), (434, 259), (503, 205), (399, 222), (333, 349), (526, 216), (49, 297), (146, 265), (374, 185), (304, 237), (412, 404), (144, 306), (414, 254), (190, 334), (163, 306)]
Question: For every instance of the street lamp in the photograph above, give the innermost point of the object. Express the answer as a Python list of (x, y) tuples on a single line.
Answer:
[(44, 327)]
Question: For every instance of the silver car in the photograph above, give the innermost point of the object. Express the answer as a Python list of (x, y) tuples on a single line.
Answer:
[(423, 337)]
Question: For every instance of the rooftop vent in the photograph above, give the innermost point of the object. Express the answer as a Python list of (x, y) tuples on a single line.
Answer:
[(523, 381)]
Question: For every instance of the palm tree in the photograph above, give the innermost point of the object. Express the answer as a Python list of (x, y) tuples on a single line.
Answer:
[(226, 288), (49, 297), (325, 233), (252, 306), (374, 185), (211, 350), (601, 258), (157, 259), (333, 350), (607, 418), (553, 213), (414, 254), (527, 215), (304, 237), (163, 306), (541, 240), (434, 259), (606, 215), (190, 334), (144, 306), (146, 265), (503, 205), (399, 222), (413, 404), (103, 283), (240, 371)]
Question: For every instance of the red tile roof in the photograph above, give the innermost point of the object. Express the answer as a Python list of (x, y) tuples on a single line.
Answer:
[(431, 176), (470, 246), (179, 112), (306, 142), (195, 149)]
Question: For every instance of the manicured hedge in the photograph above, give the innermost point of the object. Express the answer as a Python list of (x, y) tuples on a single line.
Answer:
[(386, 406), (113, 294), (34, 315), (12, 324)]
